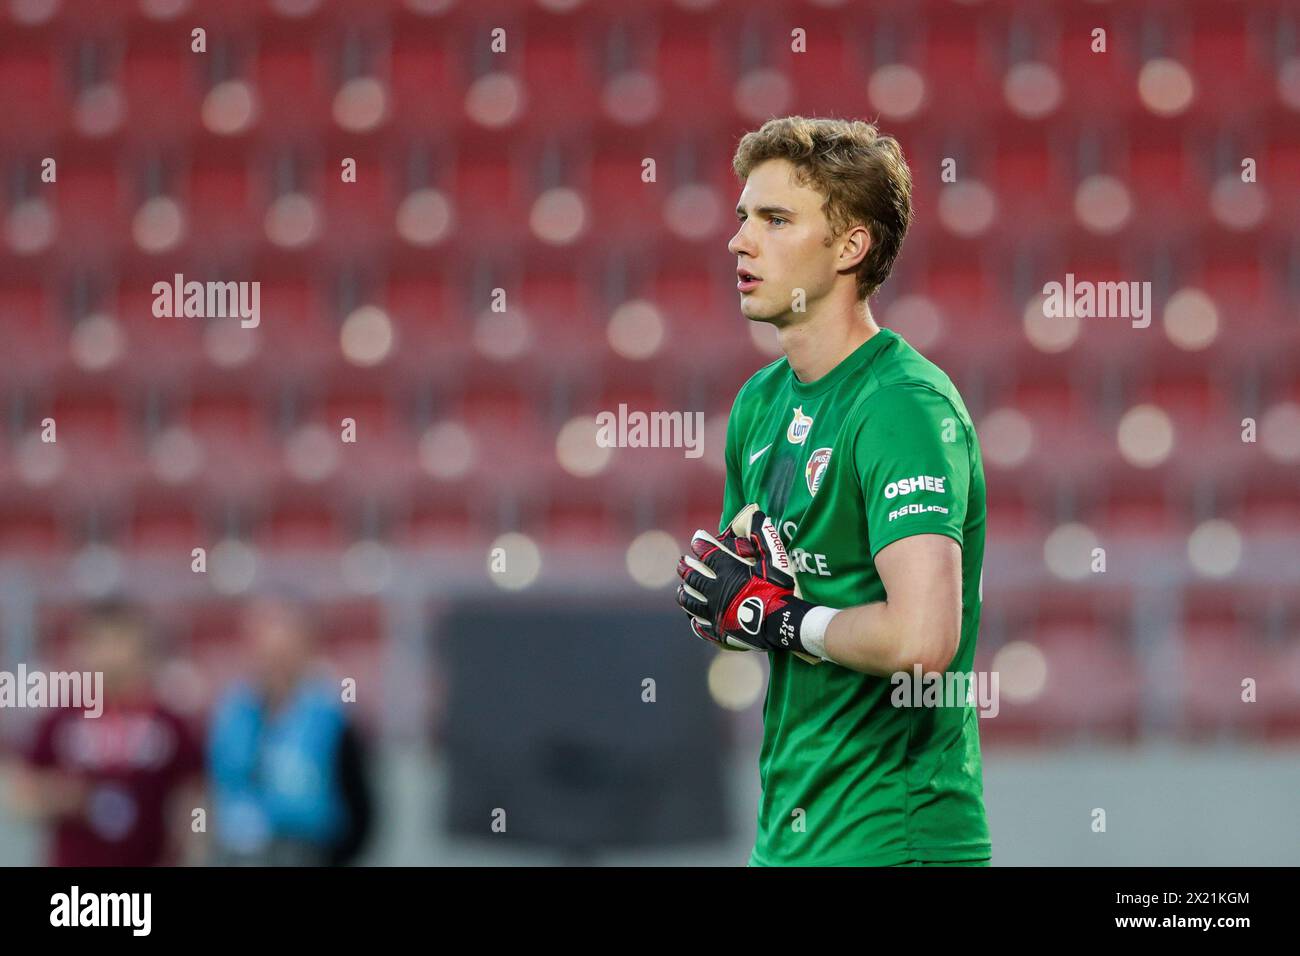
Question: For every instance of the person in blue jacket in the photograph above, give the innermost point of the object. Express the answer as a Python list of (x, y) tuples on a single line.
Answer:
[(281, 753)]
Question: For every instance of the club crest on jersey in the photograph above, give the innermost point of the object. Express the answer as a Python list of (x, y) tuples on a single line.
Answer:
[(800, 425), (816, 469)]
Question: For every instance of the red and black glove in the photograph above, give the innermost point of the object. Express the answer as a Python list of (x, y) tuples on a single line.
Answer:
[(701, 624), (736, 590)]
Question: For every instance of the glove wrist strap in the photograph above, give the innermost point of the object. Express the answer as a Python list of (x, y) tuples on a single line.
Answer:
[(787, 625), (812, 631)]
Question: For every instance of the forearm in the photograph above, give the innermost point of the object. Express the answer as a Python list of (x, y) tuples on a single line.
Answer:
[(920, 622), (876, 639), (864, 638)]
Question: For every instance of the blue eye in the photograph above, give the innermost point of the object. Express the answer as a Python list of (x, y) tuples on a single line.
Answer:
[(777, 219)]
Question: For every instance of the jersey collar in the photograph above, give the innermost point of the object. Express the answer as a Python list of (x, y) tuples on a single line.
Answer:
[(856, 360)]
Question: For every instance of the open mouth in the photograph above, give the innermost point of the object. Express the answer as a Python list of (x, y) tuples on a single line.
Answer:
[(747, 281)]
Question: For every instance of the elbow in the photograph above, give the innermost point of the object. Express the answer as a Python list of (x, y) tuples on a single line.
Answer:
[(930, 649)]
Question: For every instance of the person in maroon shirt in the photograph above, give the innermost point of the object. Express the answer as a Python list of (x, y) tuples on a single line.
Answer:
[(107, 786)]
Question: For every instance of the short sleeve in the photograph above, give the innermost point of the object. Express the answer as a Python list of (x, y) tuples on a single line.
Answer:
[(913, 463)]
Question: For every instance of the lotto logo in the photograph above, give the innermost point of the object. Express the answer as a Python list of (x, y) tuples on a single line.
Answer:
[(800, 425)]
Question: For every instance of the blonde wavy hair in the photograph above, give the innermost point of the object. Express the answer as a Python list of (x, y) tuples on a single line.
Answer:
[(860, 171)]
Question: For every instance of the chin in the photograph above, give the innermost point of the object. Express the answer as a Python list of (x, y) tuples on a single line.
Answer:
[(755, 313)]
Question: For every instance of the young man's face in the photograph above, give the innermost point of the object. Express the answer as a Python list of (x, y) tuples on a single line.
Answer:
[(280, 642), (117, 649), (782, 239)]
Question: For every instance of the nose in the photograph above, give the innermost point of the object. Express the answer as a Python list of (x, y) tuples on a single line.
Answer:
[(740, 243)]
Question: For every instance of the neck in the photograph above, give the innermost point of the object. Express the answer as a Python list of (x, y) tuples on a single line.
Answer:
[(815, 346), (126, 688), (278, 690)]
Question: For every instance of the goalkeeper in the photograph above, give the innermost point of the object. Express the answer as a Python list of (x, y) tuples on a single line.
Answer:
[(860, 455)]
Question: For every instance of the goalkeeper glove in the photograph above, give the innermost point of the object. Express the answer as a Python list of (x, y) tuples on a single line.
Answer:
[(701, 624), (739, 588)]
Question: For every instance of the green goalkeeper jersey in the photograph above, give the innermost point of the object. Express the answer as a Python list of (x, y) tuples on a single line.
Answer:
[(878, 449)]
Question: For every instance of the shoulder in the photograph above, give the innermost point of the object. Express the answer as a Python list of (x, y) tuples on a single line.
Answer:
[(239, 700), (900, 409), (319, 697), (901, 364), (240, 693), (908, 415), (903, 382), (166, 714), (904, 398)]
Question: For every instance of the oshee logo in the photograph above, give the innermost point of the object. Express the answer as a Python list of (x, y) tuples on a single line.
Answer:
[(905, 486)]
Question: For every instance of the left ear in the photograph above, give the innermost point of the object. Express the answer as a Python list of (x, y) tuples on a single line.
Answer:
[(854, 246)]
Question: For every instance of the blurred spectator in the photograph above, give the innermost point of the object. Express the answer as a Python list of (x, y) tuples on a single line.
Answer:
[(119, 789), (287, 766)]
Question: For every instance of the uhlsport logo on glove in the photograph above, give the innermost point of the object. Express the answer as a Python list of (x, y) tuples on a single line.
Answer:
[(780, 558), (750, 615)]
